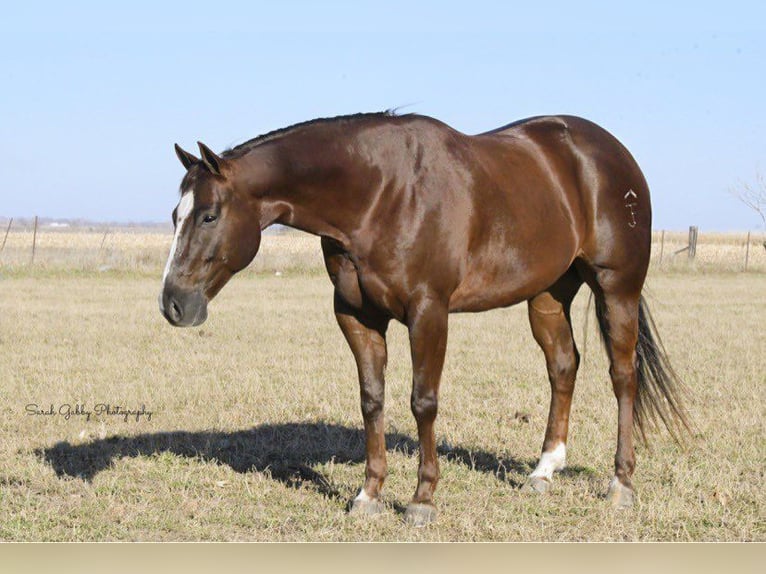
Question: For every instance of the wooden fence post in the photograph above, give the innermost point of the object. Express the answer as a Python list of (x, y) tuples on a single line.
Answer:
[(747, 250), (6, 234), (662, 245), (692, 242), (34, 241)]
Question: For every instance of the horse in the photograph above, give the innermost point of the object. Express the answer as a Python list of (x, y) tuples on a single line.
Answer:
[(418, 220)]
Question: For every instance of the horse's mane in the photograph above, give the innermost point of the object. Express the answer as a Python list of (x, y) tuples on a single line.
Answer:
[(245, 147)]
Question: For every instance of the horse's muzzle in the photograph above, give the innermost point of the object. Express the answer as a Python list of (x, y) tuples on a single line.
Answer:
[(183, 308)]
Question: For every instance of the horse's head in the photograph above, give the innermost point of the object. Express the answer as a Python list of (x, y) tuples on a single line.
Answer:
[(217, 233)]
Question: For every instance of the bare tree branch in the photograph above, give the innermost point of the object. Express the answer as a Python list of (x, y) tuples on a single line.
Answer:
[(753, 196)]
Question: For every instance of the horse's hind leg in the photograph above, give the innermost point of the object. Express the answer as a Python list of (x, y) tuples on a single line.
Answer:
[(551, 326), (618, 319), (617, 291)]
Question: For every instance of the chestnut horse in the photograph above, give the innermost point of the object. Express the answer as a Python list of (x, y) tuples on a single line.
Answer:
[(418, 220)]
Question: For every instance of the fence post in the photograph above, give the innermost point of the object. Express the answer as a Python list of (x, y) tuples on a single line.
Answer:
[(6, 234), (662, 245), (747, 250), (34, 241), (692, 242)]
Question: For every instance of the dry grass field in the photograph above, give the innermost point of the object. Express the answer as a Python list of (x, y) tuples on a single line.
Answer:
[(255, 427)]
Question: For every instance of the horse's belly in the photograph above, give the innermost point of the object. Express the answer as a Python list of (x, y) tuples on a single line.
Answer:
[(483, 295), (490, 286)]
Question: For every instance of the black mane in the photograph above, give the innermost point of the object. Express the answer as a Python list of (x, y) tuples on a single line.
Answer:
[(245, 147)]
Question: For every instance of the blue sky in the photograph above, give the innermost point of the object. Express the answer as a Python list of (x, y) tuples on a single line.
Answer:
[(93, 95)]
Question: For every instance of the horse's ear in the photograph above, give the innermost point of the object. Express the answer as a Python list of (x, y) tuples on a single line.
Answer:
[(212, 162), (186, 158)]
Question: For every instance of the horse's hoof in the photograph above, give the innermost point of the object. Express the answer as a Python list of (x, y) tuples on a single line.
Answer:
[(619, 495), (366, 507), (419, 515), (536, 484)]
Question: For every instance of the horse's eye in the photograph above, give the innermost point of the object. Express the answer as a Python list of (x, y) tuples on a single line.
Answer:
[(209, 218)]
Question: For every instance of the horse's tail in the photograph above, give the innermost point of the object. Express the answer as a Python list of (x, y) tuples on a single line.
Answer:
[(659, 388)]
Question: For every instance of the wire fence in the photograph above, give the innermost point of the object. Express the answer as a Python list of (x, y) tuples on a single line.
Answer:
[(137, 250), (145, 250)]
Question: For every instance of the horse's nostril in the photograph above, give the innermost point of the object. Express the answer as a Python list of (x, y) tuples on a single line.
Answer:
[(183, 308), (175, 310)]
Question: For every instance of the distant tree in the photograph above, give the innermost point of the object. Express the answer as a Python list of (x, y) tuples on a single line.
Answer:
[(754, 196)]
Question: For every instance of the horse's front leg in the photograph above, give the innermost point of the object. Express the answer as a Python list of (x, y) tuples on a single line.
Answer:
[(427, 324), (366, 335)]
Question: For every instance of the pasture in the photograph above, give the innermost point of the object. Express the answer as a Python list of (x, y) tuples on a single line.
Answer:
[(251, 427)]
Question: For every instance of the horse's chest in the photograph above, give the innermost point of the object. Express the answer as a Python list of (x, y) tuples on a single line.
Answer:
[(360, 286)]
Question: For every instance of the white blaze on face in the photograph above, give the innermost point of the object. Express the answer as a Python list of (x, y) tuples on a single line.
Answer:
[(551, 461), (185, 207)]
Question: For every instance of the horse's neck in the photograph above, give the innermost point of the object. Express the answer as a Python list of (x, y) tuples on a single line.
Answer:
[(318, 197)]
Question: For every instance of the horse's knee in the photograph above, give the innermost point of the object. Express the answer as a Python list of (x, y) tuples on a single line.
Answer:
[(372, 402), (424, 404)]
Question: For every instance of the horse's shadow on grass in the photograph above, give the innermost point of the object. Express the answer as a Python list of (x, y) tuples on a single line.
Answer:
[(285, 451)]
